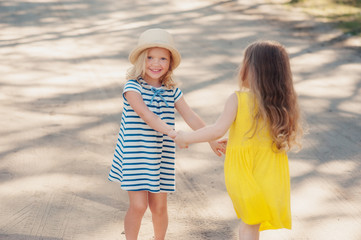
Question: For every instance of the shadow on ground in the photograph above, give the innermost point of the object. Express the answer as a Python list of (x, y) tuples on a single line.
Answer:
[(57, 146)]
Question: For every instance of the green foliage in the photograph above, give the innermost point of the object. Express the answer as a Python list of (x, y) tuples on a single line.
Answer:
[(346, 14)]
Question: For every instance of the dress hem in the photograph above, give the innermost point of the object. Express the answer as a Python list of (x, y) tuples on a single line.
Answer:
[(141, 189)]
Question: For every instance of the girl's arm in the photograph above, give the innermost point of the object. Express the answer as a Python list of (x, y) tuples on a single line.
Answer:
[(195, 122), (189, 116), (215, 131), (152, 120)]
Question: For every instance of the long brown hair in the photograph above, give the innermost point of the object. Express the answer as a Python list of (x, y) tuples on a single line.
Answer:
[(138, 70), (266, 69)]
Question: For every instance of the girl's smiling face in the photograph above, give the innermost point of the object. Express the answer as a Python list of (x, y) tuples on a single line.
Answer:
[(156, 64)]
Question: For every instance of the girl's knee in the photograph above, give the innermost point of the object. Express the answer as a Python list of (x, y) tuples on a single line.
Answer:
[(138, 208), (158, 208), (158, 203)]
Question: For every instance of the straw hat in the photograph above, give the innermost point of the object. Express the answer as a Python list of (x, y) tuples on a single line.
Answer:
[(156, 38)]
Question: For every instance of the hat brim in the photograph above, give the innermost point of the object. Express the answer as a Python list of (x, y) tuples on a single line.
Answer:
[(176, 57)]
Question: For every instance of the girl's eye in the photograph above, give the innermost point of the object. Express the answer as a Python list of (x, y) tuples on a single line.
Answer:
[(164, 59), (149, 57)]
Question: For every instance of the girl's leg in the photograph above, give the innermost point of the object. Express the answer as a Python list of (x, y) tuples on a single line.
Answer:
[(158, 207), (138, 203), (248, 232)]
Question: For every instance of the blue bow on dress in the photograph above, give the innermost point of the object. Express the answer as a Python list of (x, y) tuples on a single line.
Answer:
[(158, 92)]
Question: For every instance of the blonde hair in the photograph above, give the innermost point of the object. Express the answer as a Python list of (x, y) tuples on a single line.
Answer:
[(138, 70), (266, 69)]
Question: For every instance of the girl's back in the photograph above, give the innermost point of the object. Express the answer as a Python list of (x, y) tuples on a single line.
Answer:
[(256, 175), (242, 130)]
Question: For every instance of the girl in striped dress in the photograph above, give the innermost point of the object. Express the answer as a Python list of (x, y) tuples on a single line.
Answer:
[(144, 162)]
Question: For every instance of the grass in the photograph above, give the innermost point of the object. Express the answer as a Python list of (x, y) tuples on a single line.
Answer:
[(345, 14)]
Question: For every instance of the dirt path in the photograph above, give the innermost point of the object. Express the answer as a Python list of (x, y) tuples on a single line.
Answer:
[(62, 65)]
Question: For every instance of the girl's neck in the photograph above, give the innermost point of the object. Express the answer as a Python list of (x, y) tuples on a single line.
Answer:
[(153, 82), (245, 83)]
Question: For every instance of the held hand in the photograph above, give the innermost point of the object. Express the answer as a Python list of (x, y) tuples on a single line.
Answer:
[(180, 140), (218, 148), (223, 142), (172, 134)]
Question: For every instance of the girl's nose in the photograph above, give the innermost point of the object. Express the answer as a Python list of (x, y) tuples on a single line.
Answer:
[(155, 61)]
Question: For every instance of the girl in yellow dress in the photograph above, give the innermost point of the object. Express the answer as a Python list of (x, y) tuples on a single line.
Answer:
[(264, 123)]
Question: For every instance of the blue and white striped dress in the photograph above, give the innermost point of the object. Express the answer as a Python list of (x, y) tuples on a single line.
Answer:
[(144, 159)]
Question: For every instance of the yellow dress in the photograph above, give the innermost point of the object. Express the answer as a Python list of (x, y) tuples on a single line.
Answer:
[(257, 178)]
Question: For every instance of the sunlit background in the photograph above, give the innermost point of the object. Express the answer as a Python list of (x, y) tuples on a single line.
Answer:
[(62, 66)]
